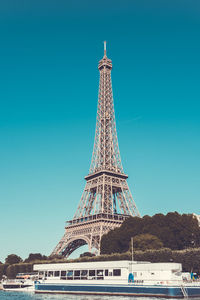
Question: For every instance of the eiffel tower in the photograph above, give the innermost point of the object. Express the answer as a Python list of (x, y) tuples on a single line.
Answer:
[(106, 200)]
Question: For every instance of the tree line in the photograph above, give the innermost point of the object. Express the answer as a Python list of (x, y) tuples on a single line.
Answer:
[(189, 258), (15, 259), (14, 263)]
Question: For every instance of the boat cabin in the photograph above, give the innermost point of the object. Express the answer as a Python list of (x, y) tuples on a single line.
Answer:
[(111, 271)]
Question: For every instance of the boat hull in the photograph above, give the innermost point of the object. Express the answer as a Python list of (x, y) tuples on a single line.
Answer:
[(18, 287), (121, 290)]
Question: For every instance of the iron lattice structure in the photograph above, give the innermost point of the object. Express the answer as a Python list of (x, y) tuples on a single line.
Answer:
[(106, 200)]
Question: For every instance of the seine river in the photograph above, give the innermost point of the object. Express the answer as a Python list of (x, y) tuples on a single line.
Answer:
[(32, 296)]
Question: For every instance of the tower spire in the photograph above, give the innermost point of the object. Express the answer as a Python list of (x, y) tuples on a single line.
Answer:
[(104, 48)]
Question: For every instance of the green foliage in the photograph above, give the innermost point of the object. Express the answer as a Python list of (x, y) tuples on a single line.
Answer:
[(35, 256), (190, 259), (161, 255), (13, 259), (88, 254), (55, 257), (175, 231), (3, 268), (14, 269), (146, 241)]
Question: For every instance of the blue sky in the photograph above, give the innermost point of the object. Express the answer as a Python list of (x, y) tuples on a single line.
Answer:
[(49, 80)]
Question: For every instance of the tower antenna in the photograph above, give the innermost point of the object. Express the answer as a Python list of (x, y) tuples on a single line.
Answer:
[(104, 48)]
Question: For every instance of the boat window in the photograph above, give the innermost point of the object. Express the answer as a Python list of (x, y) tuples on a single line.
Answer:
[(50, 274), (76, 273), (106, 272), (41, 273), (57, 273), (84, 274), (99, 272), (117, 272), (110, 273), (91, 272), (45, 273), (70, 274), (63, 273)]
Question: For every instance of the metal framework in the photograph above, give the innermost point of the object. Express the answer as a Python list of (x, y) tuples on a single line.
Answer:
[(106, 200)]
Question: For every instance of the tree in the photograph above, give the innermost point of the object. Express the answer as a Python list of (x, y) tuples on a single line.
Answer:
[(175, 231), (56, 257), (88, 254), (35, 256), (146, 241), (13, 259)]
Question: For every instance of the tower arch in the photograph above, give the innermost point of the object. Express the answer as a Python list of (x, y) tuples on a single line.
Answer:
[(75, 243)]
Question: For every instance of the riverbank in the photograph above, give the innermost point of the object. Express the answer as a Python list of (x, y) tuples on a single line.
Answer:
[(189, 258)]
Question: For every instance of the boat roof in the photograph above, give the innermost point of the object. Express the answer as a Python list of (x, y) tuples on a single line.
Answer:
[(136, 265)]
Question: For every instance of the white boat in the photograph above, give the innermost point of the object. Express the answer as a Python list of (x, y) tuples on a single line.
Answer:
[(18, 285), (116, 278), (23, 282)]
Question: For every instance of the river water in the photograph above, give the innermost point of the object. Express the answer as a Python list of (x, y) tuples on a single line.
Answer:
[(32, 296)]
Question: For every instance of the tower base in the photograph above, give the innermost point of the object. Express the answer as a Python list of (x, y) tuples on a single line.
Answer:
[(87, 230)]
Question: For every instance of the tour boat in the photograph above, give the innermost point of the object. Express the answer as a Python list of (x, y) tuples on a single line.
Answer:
[(124, 278)]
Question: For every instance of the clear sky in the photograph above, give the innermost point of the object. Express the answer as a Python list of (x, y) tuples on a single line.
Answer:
[(49, 53)]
